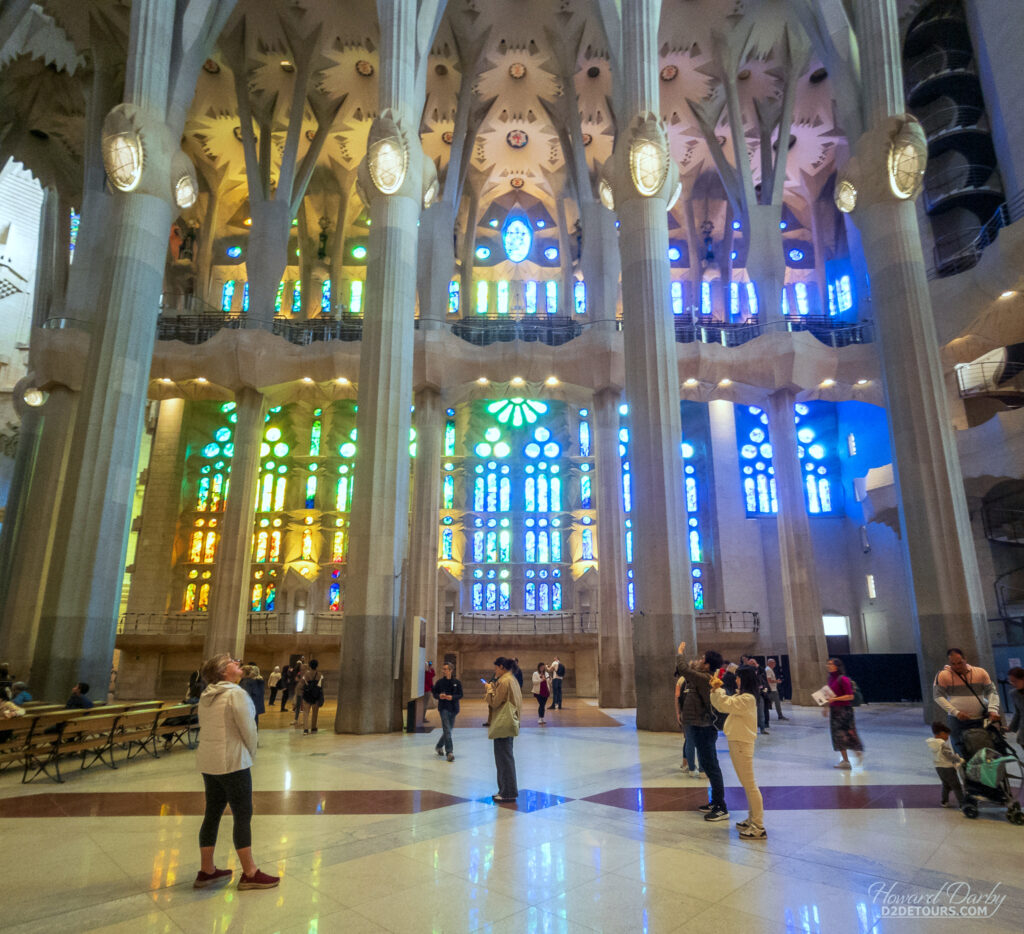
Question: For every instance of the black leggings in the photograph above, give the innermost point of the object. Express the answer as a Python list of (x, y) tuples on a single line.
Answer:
[(542, 702), (234, 788)]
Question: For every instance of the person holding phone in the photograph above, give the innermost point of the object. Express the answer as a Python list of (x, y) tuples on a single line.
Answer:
[(448, 691)]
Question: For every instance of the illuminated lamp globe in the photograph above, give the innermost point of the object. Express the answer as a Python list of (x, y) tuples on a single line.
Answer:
[(846, 196), (34, 397), (185, 191), (648, 159), (604, 192), (123, 160), (387, 162)]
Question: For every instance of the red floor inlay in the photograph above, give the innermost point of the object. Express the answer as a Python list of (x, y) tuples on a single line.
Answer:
[(776, 797), (192, 803)]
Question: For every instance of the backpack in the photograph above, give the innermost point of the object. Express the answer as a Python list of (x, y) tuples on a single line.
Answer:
[(858, 698), (312, 693), (561, 670)]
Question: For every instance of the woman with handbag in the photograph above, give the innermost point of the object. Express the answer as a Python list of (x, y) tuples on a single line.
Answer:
[(505, 703), (541, 690)]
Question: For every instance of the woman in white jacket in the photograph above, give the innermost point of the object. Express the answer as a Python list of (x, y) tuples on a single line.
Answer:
[(227, 741), (741, 732)]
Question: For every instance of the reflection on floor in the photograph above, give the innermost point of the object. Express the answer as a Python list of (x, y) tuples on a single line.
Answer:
[(376, 833)]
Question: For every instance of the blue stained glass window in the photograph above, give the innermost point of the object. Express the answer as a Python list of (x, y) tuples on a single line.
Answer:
[(785, 301), (517, 238), (677, 298), (627, 497), (544, 603), (734, 299), (502, 299), (504, 593), (556, 547), (449, 439), (448, 492), (453, 297), (585, 492), (447, 537), (587, 545), (705, 298), (245, 296), (73, 236), (584, 439), (478, 547), (310, 492), (551, 296), (504, 546), (556, 597), (802, 306), (530, 296), (698, 595), (844, 294), (530, 597), (631, 596), (504, 494), (325, 296), (629, 546), (491, 548), (491, 596), (751, 298), (478, 597), (355, 297), (227, 295), (579, 294), (478, 494), (691, 494), (695, 552), (297, 298)]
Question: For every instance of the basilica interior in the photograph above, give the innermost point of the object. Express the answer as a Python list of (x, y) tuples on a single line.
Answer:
[(389, 333)]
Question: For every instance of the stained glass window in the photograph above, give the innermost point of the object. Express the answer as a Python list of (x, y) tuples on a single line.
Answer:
[(677, 298), (279, 298), (453, 297), (245, 297), (705, 298), (517, 238), (800, 290), (482, 297), (579, 295), (325, 297), (551, 296), (734, 299), (502, 297), (297, 298), (751, 298), (73, 238), (530, 297), (227, 295)]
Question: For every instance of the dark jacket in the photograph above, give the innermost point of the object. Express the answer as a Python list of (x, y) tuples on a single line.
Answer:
[(254, 687), (451, 686), (697, 710), (79, 702)]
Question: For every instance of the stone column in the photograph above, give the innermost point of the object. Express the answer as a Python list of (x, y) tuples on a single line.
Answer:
[(426, 513), (566, 299), (229, 599), (436, 264), (801, 601), (663, 613), (601, 264), (615, 684), (934, 522), (154, 551), (380, 509)]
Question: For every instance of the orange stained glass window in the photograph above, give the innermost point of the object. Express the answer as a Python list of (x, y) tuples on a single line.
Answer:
[(257, 597), (307, 545), (217, 492), (338, 547), (204, 597), (195, 548), (210, 549), (261, 547), (190, 598), (275, 546)]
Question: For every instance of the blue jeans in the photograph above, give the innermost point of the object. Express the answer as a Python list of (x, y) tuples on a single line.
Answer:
[(447, 722), (704, 738), (556, 693), (690, 750)]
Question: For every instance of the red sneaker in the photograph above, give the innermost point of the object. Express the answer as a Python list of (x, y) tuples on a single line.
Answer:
[(203, 879), (258, 880)]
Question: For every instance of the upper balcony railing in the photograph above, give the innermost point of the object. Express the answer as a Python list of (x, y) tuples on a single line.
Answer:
[(553, 330), (972, 181), (523, 624), (937, 64), (959, 251), (828, 330), (728, 621), (951, 119), (195, 624)]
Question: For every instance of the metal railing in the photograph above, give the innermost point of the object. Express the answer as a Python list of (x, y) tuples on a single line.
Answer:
[(728, 621), (257, 624), (828, 330), (961, 250), (524, 623), (195, 329), (952, 117), (972, 178), (946, 13), (1004, 524), (553, 331), (1009, 599), (942, 62), (990, 378)]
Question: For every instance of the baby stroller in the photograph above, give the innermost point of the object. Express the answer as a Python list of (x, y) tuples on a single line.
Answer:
[(991, 772)]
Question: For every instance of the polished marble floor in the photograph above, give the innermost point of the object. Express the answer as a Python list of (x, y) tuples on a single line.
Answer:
[(376, 833)]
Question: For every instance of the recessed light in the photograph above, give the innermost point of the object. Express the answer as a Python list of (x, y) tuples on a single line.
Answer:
[(1009, 293), (690, 382), (307, 379), (552, 381), (483, 380), (201, 379), (164, 379), (863, 382), (342, 381), (517, 381), (725, 382), (828, 382)]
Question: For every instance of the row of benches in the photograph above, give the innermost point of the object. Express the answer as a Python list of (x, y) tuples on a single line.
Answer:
[(48, 733)]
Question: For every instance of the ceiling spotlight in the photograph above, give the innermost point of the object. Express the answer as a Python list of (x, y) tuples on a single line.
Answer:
[(551, 381), (201, 379), (725, 382), (517, 381), (483, 380), (863, 382), (539, 223), (34, 397), (342, 381), (826, 383), (493, 222), (307, 379), (690, 382), (1009, 293), (164, 379), (248, 222)]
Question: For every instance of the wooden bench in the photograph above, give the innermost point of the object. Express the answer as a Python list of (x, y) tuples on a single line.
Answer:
[(87, 734), (136, 732), (12, 748), (178, 724)]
